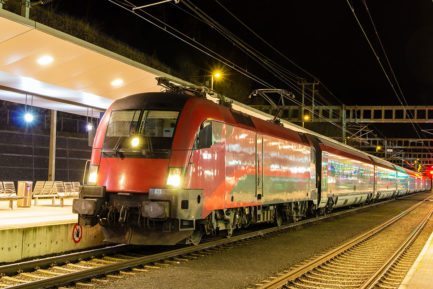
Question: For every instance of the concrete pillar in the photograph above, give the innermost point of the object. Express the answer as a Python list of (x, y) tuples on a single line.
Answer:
[(52, 154), (25, 8), (343, 123), (2, 2)]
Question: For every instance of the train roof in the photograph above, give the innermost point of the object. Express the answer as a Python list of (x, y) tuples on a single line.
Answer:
[(337, 149), (383, 163), (152, 100), (261, 121), (291, 126)]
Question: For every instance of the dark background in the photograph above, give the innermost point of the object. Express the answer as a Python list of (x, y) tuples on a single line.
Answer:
[(320, 36)]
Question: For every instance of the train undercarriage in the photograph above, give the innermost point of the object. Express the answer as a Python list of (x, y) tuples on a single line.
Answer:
[(160, 218)]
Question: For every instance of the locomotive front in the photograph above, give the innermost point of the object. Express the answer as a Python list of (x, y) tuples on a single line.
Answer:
[(134, 178)]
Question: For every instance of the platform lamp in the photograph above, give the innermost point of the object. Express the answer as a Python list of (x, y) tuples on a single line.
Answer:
[(215, 76), (28, 115), (89, 124)]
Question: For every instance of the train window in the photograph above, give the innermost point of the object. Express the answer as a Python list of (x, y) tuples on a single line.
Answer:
[(218, 134), (204, 138), (122, 122), (144, 133), (158, 123), (210, 133)]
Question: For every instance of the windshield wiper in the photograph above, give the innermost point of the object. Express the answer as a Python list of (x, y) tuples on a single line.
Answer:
[(116, 149)]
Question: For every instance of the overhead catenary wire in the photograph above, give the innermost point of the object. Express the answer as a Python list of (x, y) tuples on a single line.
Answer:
[(224, 61), (223, 31), (352, 9), (284, 75), (384, 51), (399, 97), (190, 41), (195, 45), (127, 6), (276, 50), (205, 49), (402, 94)]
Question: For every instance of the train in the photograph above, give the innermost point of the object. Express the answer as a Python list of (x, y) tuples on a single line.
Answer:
[(171, 167)]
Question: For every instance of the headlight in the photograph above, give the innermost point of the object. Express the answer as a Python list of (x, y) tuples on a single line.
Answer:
[(174, 178), (92, 177), (135, 141)]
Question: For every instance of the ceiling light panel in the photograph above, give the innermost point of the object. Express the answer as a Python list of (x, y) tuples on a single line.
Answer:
[(45, 60)]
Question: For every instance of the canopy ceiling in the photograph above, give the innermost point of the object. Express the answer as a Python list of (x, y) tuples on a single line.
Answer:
[(61, 72)]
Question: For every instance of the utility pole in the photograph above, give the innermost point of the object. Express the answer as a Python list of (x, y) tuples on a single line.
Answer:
[(303, 102), (303, 83), (52, 152), (312, 102), (343, 124)]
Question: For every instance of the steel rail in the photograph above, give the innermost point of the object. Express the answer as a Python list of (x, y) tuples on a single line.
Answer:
[(380, 273), (131, 263), (298, 272), (60, 259)]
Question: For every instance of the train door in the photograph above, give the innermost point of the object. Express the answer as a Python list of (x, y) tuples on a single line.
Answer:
[(259, 166)]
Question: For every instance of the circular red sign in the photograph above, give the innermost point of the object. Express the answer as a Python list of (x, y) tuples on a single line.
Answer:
[(77, 233)]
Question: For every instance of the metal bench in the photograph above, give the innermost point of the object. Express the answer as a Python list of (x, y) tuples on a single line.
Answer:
[(44, 190), (8, 193), (66, 190), (55, 190)]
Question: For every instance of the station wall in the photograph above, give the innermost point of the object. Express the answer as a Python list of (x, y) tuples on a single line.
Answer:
[(25, 157), (24, 148)]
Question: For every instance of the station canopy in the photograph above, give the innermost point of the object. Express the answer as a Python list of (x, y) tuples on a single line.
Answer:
[(44, 67)]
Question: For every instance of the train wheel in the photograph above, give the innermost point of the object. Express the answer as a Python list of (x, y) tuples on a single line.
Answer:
[(279, 220), (312, 211), (195, 238)]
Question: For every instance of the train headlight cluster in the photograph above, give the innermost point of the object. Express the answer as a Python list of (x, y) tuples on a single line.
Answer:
[(174, 178), (92, 177)]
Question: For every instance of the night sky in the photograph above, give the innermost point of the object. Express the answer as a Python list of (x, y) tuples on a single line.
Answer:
[(320, 36)]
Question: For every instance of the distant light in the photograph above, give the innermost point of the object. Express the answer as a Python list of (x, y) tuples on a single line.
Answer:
[(307, 117), (45, 60), (29, 117), (378, 148), (135, 141), (118, 82), (89, 127)]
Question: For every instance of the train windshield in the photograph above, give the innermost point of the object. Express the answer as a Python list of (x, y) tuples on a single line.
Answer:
[(143, 133)]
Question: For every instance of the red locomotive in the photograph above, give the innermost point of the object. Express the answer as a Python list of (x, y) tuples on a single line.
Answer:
[(171, 167)]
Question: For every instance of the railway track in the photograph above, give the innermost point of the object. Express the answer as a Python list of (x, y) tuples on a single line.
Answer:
[(378, 258), (123, 263)]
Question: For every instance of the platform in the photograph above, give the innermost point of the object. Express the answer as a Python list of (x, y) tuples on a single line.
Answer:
[(420, 274), (41, 215), (43, 230)]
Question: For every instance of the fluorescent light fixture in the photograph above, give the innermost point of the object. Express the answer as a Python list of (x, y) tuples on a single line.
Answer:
[(28, 117), (45, 60), (118, 82)]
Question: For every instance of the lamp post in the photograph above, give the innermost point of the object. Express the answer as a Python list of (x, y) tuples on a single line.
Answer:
[(215, 76)]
